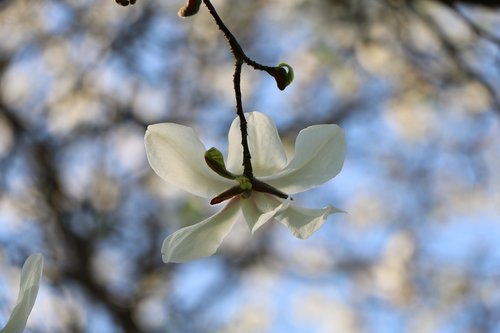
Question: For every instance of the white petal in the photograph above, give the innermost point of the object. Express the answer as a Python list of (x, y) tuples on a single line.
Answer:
[(268, 154), (260, 208), (177, 155), (319, 156), (30, 281), (201, 239), (303, 222)]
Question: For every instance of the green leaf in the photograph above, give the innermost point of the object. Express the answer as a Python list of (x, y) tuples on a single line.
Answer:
[(190, 8), (215, 161), (266, 188)]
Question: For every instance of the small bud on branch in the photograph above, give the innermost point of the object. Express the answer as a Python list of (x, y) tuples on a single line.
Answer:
[(125, 3), (190, 8), (282, 76)]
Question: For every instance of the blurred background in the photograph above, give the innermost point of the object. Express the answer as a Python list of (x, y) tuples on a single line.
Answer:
[(414, 84)]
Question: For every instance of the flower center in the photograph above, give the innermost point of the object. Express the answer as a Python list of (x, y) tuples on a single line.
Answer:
[(246, 185), (245, 188)]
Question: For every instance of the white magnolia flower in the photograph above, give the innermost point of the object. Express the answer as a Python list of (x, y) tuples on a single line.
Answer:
[(30, 281), (177, 155)]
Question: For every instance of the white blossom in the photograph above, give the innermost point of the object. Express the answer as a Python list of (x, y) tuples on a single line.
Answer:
[(177, 155), (31, 274)]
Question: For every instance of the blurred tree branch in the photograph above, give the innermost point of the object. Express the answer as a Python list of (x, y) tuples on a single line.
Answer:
[(485, 3)]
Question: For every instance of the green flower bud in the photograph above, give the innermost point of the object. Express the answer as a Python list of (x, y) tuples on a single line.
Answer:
[(282, 76)]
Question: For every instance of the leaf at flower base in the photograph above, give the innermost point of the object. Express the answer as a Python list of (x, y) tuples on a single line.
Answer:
[(190, 8), (228, 194), (266, 188), (201, 239), (31, 274), (215, 161)]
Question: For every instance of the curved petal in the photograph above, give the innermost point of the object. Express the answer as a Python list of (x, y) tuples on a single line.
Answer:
[(30, 281), (303, 222), (201, 239), (268, 154), (319, 156), (177, 155), (260, 208)]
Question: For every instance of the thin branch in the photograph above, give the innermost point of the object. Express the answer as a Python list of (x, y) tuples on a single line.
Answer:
[(247, 164), (454, 54), (236, 49), (479, 30)]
